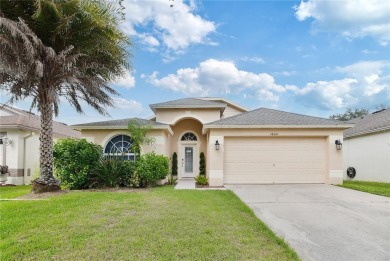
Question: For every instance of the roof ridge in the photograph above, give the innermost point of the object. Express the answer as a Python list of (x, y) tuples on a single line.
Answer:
[(302, 114), (269, 109)]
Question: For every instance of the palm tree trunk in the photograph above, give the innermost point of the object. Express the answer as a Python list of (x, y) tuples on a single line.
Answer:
[(46, 182)]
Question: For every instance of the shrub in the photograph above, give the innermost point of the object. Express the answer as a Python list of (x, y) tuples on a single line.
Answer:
[(201, 179), (152, 167), (135, 180), (73, 160), (174, 164), (202, 164), (171, 180), (111, 172), (4, 169)]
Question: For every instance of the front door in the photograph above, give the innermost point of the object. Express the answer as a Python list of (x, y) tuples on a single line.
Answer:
[(188, 161)]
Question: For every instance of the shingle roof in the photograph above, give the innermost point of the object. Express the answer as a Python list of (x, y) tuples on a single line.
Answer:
[(263, 116), (29, 121), (117, 123), (188, 103), (371, 123)]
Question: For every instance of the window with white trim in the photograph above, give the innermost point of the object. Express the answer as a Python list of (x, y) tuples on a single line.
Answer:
[(120, 146), (189, 137)]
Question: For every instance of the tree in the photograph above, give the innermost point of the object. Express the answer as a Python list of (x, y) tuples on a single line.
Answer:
[(202, 164), (52, 49), (350, 114), (174, 164), (138, 131)]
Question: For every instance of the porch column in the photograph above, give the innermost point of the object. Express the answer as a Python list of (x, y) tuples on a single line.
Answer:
[(335, 160), (215, 160)]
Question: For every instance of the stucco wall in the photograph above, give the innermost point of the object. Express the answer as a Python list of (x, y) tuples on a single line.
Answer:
[(230, 111), (101, 137), (333, 157), (20, 156), (172, 116), (369, 155)]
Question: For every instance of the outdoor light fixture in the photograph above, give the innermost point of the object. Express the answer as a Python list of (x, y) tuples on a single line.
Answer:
[(216, 145), (5, 141), (339, 145)]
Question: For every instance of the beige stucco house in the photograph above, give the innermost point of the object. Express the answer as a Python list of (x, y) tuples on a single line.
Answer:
[(19, 142), (367, 148), (257, 146)]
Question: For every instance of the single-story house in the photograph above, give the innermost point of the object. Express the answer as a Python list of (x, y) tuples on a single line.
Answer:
[(241, 146), (367, 148), (19, 142)]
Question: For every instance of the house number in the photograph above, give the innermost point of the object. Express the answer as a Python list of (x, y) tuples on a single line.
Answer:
[(274, 133)]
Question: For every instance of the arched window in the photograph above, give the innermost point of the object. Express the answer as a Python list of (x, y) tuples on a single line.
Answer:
[(120, 146), (188, 137)]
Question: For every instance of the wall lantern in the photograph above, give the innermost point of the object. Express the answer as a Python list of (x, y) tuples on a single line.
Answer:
[(5, 141), (339, 145), (216, 145)]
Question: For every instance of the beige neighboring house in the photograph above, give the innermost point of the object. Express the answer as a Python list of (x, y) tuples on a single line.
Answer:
[(19, 142), (255, 147), (367, 147)]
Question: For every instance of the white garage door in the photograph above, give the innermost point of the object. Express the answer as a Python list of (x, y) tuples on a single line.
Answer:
[(274, 160)]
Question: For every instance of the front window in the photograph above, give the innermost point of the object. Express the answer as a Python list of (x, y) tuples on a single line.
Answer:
[(120, 146), (189, 137)]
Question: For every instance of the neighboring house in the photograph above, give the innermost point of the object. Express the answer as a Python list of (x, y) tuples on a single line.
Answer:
[(19, 142), (258, 146), (367, 147)]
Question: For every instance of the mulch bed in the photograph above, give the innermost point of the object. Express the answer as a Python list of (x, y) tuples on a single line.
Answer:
[(197, 185)]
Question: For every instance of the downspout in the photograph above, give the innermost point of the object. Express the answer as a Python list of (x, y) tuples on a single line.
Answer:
[(25, 154)]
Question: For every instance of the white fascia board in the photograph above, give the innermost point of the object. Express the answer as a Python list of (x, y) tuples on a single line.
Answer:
[(163, 127)]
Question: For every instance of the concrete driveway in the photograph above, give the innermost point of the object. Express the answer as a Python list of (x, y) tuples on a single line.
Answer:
[(323, 222)]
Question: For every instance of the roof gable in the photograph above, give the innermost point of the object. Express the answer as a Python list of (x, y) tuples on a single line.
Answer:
[(371, 123), (188, 103), (28, 121)]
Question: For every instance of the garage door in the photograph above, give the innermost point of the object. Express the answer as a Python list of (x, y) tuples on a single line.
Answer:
[(274, 160)]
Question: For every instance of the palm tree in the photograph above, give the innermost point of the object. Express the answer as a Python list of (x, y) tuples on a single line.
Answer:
[(52, 49)]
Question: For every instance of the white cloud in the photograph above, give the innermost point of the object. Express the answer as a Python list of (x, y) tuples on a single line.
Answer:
[(127, 81), (286, 73), (253, 59), (363, 68), (367, 84), (176, 27), (130, 105), (328, 94), (350, 18), (373, 75), (214, 77)]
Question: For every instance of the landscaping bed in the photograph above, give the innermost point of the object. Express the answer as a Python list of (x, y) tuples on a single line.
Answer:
[(142, 224)]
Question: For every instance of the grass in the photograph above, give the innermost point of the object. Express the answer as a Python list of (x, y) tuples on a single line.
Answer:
[(379, 188), (14, 191), (156, 224)]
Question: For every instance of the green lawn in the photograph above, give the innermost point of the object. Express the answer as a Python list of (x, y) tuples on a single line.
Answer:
[(378, 188), (14, 191), (156, 224)]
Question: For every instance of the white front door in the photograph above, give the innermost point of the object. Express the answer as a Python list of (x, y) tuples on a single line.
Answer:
[(188, 161)]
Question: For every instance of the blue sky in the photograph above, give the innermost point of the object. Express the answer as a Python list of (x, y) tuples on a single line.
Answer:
[(311, 57)]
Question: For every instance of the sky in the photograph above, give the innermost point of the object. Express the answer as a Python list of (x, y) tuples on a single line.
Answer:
[(310, 57)]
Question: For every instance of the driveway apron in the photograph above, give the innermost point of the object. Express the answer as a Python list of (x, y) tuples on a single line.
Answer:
[(323, 222)]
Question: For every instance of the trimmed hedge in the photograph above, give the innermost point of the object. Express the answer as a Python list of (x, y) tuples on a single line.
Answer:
[(152, 167), (73, 161)]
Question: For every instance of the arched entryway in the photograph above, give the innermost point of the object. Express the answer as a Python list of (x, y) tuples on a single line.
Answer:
[(188, 142)]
